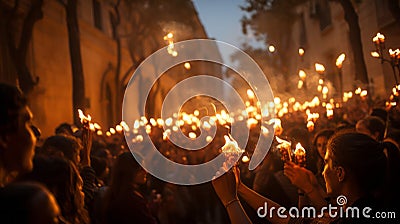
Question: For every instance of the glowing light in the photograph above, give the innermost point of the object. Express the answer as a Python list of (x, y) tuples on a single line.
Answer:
[(231, 146), (271, 48), (250, 94), (302, 75), (375, 54), (192, 135), (300, 84), (379, 38), (320, 68), (118, 128), (84, 119), (340, 59), (187, 65), (301, 51)]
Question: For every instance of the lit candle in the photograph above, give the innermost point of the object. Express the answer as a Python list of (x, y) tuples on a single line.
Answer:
[(300, 155), (320, 68), (302, 75), (339, 60), (231, 147), (284, 149)]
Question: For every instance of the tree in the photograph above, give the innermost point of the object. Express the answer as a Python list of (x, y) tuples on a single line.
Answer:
[(17, 49), (351, 17), (78, 81), (272, 21), (143, 23)]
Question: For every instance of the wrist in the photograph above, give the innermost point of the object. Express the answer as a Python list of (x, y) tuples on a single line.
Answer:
[(230, 202), (241, 187)]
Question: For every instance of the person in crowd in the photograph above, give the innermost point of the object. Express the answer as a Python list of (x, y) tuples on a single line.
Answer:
[(123, 200), (17, 140), (372, 126), (62, 178), (64, 129), (355, 166), (320, 141), (28, 202), (64, 146)]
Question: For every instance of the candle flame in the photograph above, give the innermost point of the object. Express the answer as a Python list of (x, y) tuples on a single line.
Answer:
[(320, 68), (231, 146), (84, 119), (301, 51), (375, 54), (245, 159), (250, 94), (302, 75), (340, 59), (299, 150), (379, 38), (187, 65)]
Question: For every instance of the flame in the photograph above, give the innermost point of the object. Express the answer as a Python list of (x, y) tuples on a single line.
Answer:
[(168, 121), (301, 51), (340, 59), (231, 146), (245, 159), (364, 93), (357, 91), (250, 94), (325, 90), (282, 141), (118, 128), (271, 48), (320, 68), (187, 65), (192, 135), (310, 126), (379, 38), (139, 138), (209, 139), (299, 150), (375, 54), (206, 125), (84, 119), (171, 48), (302, 75), (284, 145)]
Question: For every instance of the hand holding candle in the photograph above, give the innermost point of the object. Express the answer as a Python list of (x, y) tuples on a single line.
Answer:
[(86, 137)]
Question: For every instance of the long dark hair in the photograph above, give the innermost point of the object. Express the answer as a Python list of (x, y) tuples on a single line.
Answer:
[(61, 177), (361, 156)]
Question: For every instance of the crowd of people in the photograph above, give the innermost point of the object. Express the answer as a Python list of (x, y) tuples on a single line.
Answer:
[(76, 176)]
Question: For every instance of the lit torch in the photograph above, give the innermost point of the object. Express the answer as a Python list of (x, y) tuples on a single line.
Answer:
[(284, 148), (300, 155)]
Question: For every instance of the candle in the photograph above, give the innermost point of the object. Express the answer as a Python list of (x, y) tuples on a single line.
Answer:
[(231, 147), (300, 155), (320, 68), (284, 148), (339, 60), (85, 120)]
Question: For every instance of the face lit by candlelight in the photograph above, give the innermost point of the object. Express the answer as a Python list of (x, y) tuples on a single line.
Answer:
[(330, 175), (140, 177), (20, 144), (321, 145)]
